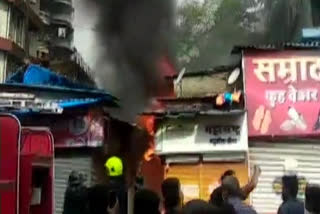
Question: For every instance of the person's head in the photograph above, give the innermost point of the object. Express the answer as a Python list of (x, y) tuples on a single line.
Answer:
[(146, 201), (230, 187), (290, 186), (74, 178), (198, 207), (229, 172), (216, 197), (171, 192), (312, 199)]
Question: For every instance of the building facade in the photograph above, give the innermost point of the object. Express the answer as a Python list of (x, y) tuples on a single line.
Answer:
[(282, 88), (198, 139), (17, 20), (41, 30)]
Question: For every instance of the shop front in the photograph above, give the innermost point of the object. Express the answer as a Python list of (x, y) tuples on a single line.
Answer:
[(198, 150), (76, 137), (282, 89)]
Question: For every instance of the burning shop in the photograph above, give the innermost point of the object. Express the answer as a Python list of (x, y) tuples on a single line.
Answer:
[(198, 137), (282, 95)]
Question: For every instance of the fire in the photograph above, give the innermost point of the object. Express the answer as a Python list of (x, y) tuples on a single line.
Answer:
[(149, 154)]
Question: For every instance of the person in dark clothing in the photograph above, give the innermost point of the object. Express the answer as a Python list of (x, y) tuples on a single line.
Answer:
[(216, 196), (290, 205), (102, 200), (312, 199), (232, 194), (117, 182), (75, 200), (199, 207), (172, 195), (98, 199), (217, 201), (146, 201)]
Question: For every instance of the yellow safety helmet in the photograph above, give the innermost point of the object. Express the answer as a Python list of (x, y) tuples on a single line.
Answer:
[(114, 166)]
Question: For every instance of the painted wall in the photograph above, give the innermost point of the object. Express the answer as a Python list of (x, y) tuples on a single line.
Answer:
[(2, 65), (4, 18)]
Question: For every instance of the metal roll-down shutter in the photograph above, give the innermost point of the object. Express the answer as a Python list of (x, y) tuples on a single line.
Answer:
[(63, 167), (271, 157)]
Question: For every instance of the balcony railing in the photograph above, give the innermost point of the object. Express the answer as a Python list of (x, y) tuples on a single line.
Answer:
[(67, 18), (62, 43), (66, 2), (77, 58)]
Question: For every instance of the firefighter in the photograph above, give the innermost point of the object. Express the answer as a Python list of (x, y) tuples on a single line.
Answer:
[(117, 184)]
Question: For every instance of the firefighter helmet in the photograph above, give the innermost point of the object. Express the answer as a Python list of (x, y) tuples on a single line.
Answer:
[(114, 166)]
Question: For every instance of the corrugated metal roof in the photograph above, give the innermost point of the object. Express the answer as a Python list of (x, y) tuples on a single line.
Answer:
[(51, 99), (280, 46)]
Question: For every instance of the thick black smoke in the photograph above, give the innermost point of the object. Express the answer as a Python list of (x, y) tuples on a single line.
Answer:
[(132, 36)]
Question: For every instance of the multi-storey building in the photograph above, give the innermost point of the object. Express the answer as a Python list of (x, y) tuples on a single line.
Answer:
[(57, 40), (58, 16), (39, 29), (17, 19)]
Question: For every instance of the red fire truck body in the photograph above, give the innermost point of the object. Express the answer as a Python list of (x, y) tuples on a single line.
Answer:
[(26, 168)]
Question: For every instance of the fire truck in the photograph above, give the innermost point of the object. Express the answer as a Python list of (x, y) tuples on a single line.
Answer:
[(26, 168), (27, 151)]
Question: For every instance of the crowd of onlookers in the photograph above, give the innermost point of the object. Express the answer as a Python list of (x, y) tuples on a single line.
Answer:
[(228, 198)]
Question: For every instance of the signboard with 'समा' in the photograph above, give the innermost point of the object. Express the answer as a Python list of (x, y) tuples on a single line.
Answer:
[(282, 92)]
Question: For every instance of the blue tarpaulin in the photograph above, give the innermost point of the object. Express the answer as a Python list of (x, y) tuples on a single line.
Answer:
[(311, 34), (37, 75), (54, 88)]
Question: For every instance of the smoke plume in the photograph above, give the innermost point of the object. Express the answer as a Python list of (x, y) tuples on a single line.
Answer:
[(132, 35)]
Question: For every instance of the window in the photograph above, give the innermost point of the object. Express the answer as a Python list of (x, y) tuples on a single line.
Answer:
[(62, 32), (12, 65), (17, 29), (12, 27), (20, 31)]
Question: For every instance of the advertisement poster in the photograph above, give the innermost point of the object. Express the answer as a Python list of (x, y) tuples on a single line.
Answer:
[(78, 131), (282, 92)]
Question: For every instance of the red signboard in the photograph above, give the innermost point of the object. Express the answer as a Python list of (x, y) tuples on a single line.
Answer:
[(282, 92)]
